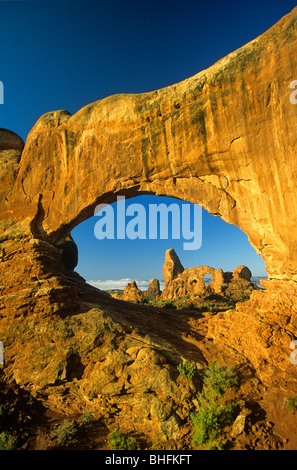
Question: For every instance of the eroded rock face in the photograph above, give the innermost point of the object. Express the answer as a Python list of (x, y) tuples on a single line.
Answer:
[(225, 139), (180, 282), (153, 289), (132, 293), (11, 147), (69, 252)]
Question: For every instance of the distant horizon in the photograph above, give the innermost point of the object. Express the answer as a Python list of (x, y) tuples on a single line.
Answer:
[(120, 284), (224, 246)]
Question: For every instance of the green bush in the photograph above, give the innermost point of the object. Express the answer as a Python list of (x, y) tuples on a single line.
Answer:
[(214, 413), (87, 419), (7, 441), (220, 378), (291, 403), (66, 432), (187, 369), (212, 416), (121, 441)]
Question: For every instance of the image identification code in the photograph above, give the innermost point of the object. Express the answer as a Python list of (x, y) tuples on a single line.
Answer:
[(152, 459)]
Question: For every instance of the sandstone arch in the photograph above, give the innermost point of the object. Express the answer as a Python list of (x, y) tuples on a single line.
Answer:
[(225, 138), (180, 282)]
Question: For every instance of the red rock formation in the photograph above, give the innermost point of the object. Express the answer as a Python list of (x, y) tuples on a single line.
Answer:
[(153, 289), (132, 293), (225, 139), (180, 282), (172, 266)]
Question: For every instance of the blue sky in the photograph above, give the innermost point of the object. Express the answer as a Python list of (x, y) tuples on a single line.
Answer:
[(65, 54)]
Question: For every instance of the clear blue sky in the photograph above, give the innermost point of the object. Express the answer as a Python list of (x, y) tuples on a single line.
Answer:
[(66, 54)]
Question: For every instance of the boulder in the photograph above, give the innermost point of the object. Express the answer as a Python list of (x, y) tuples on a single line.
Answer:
[(242, 272), (132, 293), (9, 140)]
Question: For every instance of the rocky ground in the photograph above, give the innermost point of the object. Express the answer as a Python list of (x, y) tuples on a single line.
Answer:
[(47, 416), (81, 363)]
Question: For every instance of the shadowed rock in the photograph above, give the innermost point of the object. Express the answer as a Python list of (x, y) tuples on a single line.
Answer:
[(132, 293), (153, 288), (9, 140)]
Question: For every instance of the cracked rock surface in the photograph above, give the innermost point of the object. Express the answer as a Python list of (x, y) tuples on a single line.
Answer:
[(224, 138)]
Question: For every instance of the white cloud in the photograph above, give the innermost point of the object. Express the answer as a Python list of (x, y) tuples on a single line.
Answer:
[(121, 283)]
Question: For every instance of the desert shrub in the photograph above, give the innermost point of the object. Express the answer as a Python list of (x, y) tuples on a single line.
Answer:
[(187, 369), (122, 441), (66, 432), (7, 441), (214, 413), (219, 378), (212, 416), (291, 403), (87, 419)]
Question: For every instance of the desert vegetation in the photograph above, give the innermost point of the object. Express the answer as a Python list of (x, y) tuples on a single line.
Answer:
[(214, 411)]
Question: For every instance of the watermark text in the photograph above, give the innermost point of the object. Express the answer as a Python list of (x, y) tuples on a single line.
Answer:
[(137, 221), (1, 93), (293, 345), (293, 94), (1, 353), (151, 459)]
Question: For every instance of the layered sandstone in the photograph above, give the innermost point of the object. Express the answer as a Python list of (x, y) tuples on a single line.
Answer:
[(225, 139)]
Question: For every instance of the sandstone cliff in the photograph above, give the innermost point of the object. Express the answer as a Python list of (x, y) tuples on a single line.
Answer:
[(225, 139)]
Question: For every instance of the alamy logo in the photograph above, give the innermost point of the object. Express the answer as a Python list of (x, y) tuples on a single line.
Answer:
[(1, 353), (293, 354), (293, 95), (139, 221), (1, 93)]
